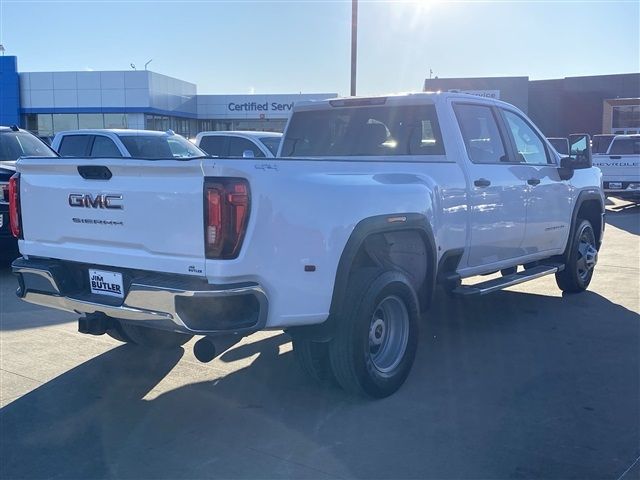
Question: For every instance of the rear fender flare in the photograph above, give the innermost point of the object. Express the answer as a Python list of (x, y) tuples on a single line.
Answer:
[(364, 229)]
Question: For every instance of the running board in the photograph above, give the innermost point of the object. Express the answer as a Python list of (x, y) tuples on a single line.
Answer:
[(496, 284)]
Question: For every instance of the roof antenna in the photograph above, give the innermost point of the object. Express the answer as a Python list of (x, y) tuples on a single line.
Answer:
[(145, 65), (132, 66)]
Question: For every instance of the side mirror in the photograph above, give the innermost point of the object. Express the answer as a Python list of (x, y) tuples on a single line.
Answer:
[(248, 154), (579, 155), (580, 150)]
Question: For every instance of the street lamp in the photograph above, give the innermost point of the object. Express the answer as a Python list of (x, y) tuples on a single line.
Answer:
[(354, 44)]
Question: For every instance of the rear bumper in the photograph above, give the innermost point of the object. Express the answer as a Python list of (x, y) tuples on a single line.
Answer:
[(622, 189), (169, 302)]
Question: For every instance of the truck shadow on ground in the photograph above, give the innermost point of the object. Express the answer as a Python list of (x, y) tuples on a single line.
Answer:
[(518, 386)]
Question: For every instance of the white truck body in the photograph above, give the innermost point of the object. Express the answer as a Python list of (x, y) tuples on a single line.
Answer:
[(620, 167), (440, 216)]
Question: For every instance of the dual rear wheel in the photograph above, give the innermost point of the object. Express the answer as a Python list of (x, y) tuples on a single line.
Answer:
[(376, 336)]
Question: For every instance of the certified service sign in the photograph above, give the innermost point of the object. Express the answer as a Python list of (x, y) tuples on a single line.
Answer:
[(481, 93)]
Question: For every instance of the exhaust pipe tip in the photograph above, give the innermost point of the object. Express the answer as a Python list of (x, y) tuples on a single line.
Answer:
[(204, 350)]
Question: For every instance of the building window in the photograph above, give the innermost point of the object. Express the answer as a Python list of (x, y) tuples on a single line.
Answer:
[(115, 120), (90, 120), (157, 122), (626, 116), (65, 121)]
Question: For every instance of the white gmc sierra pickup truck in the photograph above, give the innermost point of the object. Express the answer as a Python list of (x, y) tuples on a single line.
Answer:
[(340, 240)]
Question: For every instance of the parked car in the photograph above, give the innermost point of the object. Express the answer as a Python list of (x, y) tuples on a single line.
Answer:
[(115, 143), (239, 144), (620, 165), (561, 144), (372, 203), (14, 143)]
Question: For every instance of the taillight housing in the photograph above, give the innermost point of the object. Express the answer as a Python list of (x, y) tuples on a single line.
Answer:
[(226, 215), (14, 205)]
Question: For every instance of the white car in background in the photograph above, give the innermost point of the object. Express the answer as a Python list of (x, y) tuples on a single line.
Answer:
[(620, 166), (114, 143), (239, 143)]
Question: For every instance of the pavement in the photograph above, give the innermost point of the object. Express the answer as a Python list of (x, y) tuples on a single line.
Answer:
[(525, 383)]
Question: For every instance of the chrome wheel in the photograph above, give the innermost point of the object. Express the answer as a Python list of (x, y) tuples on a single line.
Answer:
[(388, 334), (587, 254)]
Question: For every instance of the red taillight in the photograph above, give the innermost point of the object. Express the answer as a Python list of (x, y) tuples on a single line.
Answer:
[(226, 216), (14, 205)]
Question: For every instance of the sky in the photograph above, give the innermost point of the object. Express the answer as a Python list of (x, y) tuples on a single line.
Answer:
[(304, 46)]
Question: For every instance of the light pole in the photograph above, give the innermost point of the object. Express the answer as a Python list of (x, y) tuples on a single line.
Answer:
[(354, 44)]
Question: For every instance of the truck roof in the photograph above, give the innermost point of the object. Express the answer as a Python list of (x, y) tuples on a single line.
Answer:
[(116, 131), (410, 98), (627, 135)]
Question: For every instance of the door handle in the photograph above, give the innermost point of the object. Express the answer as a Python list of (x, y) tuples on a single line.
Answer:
[(482, 182), (533, 181), (615, 157)]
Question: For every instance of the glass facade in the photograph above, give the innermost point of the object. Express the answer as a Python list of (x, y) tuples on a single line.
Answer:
[(265, 125), (46, 125)]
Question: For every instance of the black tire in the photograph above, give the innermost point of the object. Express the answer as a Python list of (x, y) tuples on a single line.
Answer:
[(581, 260), (313, 358), (147, 337), (363, 362)]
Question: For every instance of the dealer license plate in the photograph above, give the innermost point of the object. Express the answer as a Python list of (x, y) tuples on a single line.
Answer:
[(106, 283)]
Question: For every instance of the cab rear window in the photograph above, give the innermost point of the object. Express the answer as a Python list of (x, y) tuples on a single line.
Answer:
[(625, 146), (364, 131)]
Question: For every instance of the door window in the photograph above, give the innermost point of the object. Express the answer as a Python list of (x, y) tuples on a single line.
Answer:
[(238, 145), (213, 145), (480, 134), (75, 145), (528, 143), (104, 147)]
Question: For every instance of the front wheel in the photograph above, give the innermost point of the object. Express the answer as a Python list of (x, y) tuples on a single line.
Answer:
[(581, 260), (377, 333)]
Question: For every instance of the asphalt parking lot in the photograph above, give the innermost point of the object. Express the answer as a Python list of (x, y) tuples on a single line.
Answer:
[(520, 384)]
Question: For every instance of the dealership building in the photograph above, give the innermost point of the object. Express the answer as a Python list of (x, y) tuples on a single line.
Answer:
[(596, 104), (50, 102)]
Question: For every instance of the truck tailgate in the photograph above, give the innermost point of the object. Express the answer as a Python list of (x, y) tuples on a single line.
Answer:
[(158, 227), (618, 167)]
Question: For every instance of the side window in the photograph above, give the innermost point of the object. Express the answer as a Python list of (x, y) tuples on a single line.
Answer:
[(480, 134), (104, 147), (75, 145), (625, 146), (238, 145), (529, 145), (213, 144)]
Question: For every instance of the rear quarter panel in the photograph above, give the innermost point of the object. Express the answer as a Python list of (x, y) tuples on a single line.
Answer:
[(303, 212)]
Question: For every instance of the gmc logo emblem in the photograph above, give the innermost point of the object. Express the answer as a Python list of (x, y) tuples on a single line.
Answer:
[(87, 200)]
